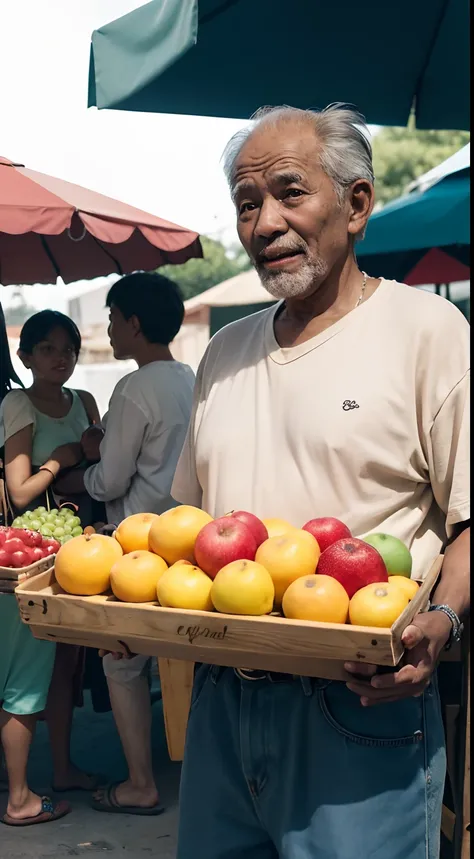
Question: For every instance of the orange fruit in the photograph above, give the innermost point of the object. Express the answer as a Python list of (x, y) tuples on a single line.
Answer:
[(378, 604), (243, 587), (316, 597), (83, 564), (277, 527), (288, 557), (185, 586), (132, 533), (408, 586), (173, 534), (134, 577)]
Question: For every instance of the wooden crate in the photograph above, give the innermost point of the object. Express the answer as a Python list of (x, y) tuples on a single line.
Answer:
[(10, 578), (271, 643)]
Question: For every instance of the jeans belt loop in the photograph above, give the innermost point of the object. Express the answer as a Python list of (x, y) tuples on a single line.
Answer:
[(216, 672), (307, 684)]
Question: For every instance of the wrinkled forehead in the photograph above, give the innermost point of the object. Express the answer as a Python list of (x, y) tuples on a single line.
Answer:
[(271, 147)]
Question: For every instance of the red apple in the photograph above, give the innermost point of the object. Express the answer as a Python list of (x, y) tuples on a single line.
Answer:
[(254, 523), (222, 541), (30, 538), (5, 559), (353, 563), (14, 545), (20, 559), (327, 531), (3, 538), (50, 550), (36, 554)]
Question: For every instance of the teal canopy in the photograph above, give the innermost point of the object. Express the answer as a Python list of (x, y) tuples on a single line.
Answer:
[(230, 57), (406, 230)]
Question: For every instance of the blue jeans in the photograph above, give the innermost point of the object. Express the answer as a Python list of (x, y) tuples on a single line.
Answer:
[(300, 770)]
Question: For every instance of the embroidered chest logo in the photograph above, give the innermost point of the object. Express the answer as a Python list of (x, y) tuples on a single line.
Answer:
[(348, 405)]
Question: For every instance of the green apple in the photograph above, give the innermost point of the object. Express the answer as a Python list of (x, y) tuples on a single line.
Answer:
[(396, 556)]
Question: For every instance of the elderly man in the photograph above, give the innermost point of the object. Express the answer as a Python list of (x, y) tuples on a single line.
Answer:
[(301, 768)]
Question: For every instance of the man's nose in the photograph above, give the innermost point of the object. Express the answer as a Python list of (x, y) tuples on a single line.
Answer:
[(270, 220)]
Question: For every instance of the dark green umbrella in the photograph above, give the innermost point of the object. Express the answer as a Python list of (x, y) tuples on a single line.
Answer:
[(230, 57), (422, 237)]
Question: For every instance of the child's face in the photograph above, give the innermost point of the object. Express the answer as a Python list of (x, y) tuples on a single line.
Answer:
[(53, 359)]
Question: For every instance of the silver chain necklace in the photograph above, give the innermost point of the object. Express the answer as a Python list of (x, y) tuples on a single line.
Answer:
[(364, 284)]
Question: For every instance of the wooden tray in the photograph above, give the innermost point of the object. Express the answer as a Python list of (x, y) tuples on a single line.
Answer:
[(10, 578), (271, 643)]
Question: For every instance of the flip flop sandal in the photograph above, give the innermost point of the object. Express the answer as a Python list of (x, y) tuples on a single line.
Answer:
[(48, 813), (97, 782), (109, 804)]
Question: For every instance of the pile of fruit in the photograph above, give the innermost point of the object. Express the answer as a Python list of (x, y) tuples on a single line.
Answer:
[(239, 564), (62, 524), (20, 547)]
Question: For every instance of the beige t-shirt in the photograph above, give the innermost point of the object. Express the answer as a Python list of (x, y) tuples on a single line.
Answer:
[(368, 422)]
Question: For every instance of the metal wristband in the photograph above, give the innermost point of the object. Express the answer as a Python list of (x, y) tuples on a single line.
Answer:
[(457, 626)]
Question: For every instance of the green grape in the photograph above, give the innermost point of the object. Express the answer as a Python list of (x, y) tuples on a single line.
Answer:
[(77, 531), (28, 514), (51, 517), (58, 532), (65, 539), (40, 510), (35, 524), (75, 521), (18, 522), (67, 528), (46, 531)]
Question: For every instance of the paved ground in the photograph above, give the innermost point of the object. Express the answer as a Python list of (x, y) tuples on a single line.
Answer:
[(87, 833)]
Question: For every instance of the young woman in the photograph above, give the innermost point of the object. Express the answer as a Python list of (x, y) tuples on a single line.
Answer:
[(41, 429)]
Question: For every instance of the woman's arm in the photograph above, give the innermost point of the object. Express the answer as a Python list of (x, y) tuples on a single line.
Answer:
[(22, 485)]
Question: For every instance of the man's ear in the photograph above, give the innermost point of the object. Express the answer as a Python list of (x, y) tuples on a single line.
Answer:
[(136, 327), (362, 199)]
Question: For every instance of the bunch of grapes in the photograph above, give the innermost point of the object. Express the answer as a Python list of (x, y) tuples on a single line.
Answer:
[(61, 524)]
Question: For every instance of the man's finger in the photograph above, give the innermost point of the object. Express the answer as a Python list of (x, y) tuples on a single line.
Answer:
[(407, 674), (361, 669), (412, 636)]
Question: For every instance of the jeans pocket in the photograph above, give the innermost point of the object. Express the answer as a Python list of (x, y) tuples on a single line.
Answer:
[(201, 677), (397, 724)]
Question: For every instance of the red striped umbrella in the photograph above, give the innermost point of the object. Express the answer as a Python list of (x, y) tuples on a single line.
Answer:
[(50, 228)]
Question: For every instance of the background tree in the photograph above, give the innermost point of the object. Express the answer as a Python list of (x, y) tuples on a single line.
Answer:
[(197, 275), (403, 154), (18, 311)]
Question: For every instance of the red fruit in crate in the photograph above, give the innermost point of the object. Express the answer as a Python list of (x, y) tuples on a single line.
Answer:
[(327, 531), (36, 554), (5, 559), (31, 539), (222, 541), (20, 559), (51, 544), (254, 523), (353, 563), (14, 545), (3, 537)]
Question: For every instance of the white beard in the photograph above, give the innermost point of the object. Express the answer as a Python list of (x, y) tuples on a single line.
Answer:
[(284, 284)]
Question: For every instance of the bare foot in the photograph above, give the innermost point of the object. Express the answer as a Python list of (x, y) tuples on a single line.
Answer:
[(74, 779), (128, 794), (27, 806)]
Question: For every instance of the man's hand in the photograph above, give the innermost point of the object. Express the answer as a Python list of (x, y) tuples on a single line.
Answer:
[(67, 455), (90, 442), (424, 640)]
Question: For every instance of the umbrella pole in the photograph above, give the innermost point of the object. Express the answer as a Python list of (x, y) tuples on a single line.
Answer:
[(448, 291), (438, 288)]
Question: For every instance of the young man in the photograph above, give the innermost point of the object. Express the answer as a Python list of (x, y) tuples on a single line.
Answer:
[(144, 432), (304, 768)]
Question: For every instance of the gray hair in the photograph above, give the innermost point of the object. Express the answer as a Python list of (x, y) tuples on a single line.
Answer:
[(345, 152)]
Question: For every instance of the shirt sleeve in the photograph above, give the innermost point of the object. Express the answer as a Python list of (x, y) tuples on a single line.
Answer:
[(186, 488), (126, 425), (449, 455), (16, 413)]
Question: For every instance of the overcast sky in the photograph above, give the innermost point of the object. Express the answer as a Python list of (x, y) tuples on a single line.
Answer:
[(167, 165)]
